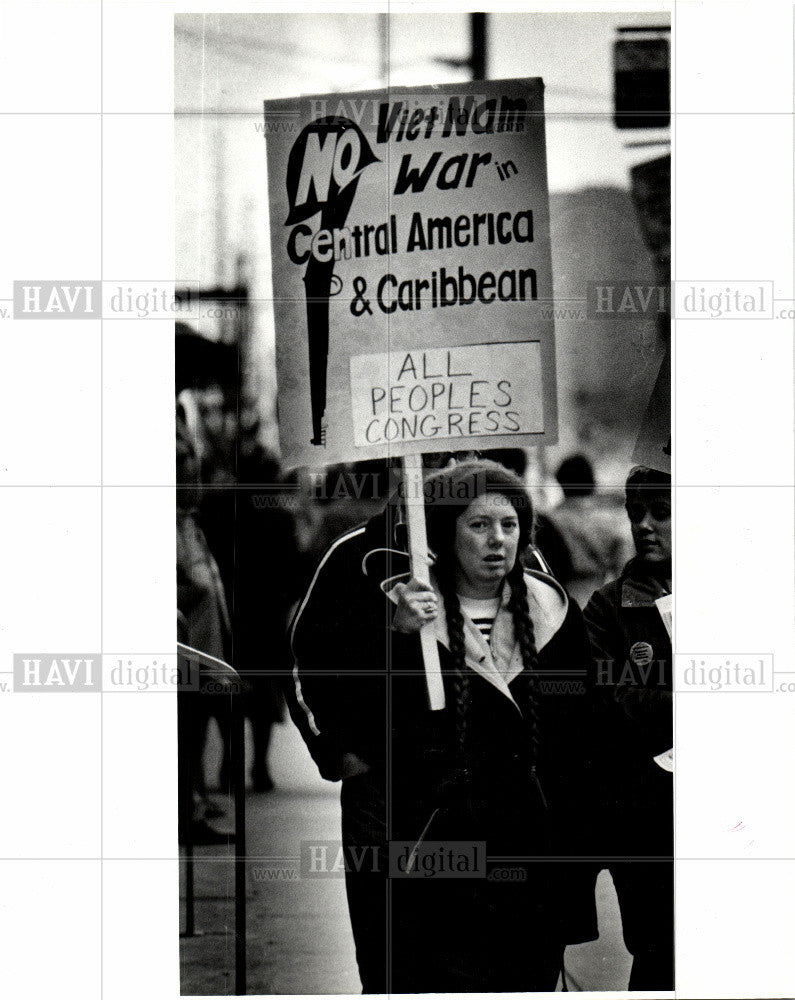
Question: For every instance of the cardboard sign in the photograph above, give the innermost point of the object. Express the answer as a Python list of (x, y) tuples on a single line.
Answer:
[(411, 271)]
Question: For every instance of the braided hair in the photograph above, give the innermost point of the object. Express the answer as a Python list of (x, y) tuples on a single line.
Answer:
[(448, 494), (524, 631), (455, 632)]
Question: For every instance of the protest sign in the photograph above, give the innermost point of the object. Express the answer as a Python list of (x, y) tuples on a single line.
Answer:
[(411, 271)]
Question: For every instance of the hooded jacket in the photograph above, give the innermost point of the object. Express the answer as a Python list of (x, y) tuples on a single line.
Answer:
[(360, 686), (353, 675)]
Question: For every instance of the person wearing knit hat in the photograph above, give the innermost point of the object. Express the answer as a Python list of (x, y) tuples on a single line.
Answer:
[(459, 827)]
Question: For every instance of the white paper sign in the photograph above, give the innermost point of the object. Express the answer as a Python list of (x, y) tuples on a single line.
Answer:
[(665, 605), (665, 760), (456, 393)]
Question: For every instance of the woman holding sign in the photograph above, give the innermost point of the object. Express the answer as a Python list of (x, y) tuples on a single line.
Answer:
[(470, 810)]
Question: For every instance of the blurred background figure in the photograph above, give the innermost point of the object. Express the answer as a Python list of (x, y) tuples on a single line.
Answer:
[(202, 623), (239, 520), (342, 496), (584, 542), (265, 580), (206, 375)]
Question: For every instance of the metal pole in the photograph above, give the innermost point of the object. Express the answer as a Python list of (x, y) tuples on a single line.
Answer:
[(239, 785), (383, 48), (190, 916), (477, 26), (184, 736)]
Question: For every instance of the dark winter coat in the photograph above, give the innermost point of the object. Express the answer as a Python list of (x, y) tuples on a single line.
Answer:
[(635, 714), (359, 686)]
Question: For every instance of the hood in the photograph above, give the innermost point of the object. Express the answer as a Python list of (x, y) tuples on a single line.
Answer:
[(500, 661), (639, 589)]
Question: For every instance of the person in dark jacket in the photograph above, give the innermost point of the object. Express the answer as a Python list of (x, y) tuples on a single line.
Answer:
[(203, 623), (503, 764), (629, 622)]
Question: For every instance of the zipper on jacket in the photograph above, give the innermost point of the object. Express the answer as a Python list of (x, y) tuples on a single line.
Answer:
[(413, 856), (534, 776)]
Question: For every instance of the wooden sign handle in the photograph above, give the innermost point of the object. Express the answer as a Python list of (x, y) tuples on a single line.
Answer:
[(418, 550)]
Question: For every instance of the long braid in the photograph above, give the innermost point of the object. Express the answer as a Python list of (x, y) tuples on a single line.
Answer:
[(461, 686), (525, 636)]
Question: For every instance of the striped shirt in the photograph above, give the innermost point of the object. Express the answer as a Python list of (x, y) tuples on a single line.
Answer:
[(482, 612)]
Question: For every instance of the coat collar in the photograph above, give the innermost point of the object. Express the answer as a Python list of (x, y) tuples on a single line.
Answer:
[(639, 589), (500, 661)]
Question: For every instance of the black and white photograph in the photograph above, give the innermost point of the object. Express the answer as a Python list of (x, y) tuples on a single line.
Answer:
[(428, 439), (399, 404)]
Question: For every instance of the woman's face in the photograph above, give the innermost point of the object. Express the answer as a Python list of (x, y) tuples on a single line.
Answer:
[(486, 545), (651, 527)]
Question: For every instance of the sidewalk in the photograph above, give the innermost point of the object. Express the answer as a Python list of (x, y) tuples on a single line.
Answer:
[(299, 939)]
